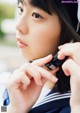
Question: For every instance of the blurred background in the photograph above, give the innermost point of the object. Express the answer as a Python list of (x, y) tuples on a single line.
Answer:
[(10, 57)]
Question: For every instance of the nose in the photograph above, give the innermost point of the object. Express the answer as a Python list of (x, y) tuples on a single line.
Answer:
[(21, 25)]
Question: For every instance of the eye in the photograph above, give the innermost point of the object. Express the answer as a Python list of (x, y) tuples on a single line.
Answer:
[(37, 16), (20, 9)]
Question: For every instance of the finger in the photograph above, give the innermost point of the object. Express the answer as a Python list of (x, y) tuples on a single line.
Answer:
[(28, 69), (60, 47), (65, 52), (46, 74), (75, 45), (43, 61), (25, 81), (16, 80), (64, 45), (68, 49), (71, 68)]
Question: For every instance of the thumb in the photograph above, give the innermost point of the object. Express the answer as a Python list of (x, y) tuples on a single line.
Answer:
[(43, 61)]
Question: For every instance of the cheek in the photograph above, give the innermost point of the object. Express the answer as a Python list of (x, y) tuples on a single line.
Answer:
[(44, 42), (45, 36)]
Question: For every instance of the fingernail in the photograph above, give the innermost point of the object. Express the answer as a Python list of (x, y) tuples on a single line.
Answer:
[(49, 55), (54, 79)]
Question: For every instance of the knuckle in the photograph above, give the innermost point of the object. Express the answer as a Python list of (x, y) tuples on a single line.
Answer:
[(36, 73), (21, 76)]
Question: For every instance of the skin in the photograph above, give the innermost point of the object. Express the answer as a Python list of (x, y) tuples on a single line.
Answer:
[(30, 78), (42, 34), (71, 67)]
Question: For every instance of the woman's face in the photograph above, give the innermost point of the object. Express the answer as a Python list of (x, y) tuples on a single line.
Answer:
[(38, 33)]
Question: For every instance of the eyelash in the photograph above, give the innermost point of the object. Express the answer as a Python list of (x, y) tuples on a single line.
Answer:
[(21, 9), (37, 16)]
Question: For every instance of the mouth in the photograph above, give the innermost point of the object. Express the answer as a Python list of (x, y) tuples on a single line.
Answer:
[(21, 43)]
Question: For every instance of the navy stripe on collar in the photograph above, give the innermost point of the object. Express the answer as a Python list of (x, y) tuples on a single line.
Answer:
[(53, 105)]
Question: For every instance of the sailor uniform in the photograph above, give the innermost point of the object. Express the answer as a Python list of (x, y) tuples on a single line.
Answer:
[(53, 102)]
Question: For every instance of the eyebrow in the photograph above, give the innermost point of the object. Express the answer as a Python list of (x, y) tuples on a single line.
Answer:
[(22, 2)]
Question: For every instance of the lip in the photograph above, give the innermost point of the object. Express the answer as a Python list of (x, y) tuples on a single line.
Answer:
[(21, 43)]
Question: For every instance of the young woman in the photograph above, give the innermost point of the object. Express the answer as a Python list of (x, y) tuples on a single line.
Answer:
[(42, 27)]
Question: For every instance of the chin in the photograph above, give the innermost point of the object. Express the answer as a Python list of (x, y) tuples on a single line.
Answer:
[(28, 57)]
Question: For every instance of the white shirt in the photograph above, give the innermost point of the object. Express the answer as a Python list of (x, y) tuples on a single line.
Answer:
[(44, 92)]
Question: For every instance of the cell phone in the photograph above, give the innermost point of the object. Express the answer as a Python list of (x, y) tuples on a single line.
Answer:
[(55, 62)]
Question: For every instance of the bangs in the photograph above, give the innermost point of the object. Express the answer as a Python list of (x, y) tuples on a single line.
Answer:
[(42, 4), (51, 7), (45, 5)]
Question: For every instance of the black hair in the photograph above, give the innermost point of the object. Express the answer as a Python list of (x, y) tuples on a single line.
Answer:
[(68, 32)]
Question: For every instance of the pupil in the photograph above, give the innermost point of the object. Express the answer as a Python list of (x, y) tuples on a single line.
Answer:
[(37, 16)]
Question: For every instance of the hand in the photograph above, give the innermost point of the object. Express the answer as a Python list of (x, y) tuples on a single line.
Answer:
[(26, 83), (70, 49), (72, 67)]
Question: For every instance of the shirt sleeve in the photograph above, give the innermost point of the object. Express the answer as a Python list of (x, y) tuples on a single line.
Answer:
[(6, 99), (3, 91)]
